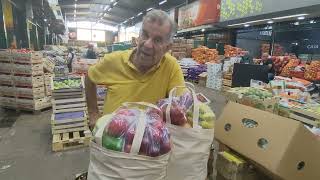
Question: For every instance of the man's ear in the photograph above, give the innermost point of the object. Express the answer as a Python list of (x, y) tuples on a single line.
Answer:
[(169, 46)]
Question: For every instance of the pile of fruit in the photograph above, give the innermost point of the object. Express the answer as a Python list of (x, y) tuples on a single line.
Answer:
[(119, 134), (256, 93), (280, 62), (67, 83), (203, 55), (181, 112), (313, 71), (230, 51), (289, 67)]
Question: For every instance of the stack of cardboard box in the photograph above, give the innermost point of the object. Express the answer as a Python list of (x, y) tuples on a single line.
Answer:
[(181, 48)]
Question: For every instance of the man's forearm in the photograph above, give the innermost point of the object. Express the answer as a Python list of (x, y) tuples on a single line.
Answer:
[(91, 95)]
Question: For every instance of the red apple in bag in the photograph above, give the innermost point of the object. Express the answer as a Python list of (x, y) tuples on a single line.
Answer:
[(118, 126), (178, 115)]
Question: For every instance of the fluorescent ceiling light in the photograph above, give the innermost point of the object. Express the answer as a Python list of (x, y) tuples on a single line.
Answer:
[(75, 11), (125, 21), (270, 22), (132, 17), (109, 9), (246, 25), (203, 30), (162, 2), (249, 22), (301, 18), (149, 9), (296, 23), (75, 5), (140, 13), (45, 20), (111, 1), (291, 16), (74, 15), (75, 0), (312, 22), (106, 7), (115, 3)]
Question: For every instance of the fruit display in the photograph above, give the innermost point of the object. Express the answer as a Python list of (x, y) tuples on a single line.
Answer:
[(194, 72), (313, 71), (257, 93), (289, 67), (119, 134), (230, 51), (67, 83), (203, 55), (181, 112), (280, 62)]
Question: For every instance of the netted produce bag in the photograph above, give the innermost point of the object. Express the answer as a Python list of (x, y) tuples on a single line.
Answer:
[(131, 143), (289, 67), (313, 71), (190, 124)]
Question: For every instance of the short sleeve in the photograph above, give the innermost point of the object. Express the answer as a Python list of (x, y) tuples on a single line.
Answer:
[(101, 71), (176, 78)]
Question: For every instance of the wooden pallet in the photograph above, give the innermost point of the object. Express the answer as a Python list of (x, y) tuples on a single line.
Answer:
[(227, 82), (21, 109), (66, 121), (71, 140), (304, 116), (69, 105)]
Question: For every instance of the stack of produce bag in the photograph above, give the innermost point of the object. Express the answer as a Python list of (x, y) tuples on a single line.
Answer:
[(132, 143), (313, 71), (190, 123)]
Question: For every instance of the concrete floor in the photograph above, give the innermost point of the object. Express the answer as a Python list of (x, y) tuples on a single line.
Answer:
[(25, 148)]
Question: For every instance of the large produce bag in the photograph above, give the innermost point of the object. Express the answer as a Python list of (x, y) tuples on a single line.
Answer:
[(191, 145), (136, 162)]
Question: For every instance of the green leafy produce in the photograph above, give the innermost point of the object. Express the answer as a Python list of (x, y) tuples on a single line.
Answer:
[(68, 83)]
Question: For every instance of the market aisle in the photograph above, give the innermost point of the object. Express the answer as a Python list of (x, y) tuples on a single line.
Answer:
[(25, 149)]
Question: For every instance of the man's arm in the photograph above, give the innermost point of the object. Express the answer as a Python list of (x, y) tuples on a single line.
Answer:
[(91, 95)]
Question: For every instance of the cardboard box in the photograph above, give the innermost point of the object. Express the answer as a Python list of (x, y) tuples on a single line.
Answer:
[(282, 146)]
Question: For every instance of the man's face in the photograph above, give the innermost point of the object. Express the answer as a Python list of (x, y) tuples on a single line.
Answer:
[(153, 42), (265, 57)]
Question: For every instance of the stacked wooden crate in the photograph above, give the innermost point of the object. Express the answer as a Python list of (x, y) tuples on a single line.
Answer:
[(69, 119), (21, 81), (181, 48), (101, 94), (47, 83)]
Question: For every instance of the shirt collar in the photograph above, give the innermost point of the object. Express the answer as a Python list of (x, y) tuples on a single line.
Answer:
[(128, 58)]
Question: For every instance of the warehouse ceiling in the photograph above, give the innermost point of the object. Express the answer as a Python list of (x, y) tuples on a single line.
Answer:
[(113, 12)]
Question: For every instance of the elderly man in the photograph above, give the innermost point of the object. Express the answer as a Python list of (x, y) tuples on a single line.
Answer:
[(146, 73)]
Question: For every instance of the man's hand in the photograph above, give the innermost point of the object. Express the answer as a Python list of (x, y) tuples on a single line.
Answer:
[(91, 94), (93, 117)]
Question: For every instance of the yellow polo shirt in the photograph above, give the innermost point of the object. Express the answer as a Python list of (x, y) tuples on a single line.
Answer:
[(126, 84)]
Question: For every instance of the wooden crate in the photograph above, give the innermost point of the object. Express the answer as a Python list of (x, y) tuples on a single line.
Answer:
[(227, 76), (5, 55), (304, 116), (29, 58), (6, 67), (6, 79), (47, 78), (48, 65), (227, 82), (69, 105), (71, 140), (6, 90), (68, 95), (30, 81), (32, 104), (28, 69), (37, 92), (48, 90), (67, 121)]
